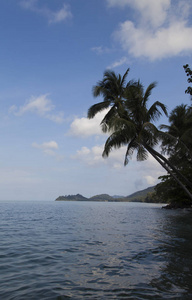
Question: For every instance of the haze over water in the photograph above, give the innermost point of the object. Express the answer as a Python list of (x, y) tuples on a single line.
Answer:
[(94, 250)]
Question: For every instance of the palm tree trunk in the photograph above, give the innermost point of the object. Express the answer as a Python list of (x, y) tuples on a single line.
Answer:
[(179, 174), (163, 164)]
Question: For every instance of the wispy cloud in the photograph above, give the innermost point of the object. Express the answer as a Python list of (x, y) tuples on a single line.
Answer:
[(160, 29), (49, 148), (41, 106), (122, 61), (58, 16), (100, 50)]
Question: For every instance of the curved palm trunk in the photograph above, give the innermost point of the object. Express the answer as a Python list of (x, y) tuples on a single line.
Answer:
[(151, 150), (167, 168)]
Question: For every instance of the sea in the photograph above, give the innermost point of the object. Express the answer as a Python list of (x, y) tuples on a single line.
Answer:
[(94, 250)]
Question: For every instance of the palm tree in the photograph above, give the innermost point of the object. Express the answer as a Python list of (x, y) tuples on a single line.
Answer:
[(177, 143), (177, 140), (111, 88), (130, 124), (178, 137)]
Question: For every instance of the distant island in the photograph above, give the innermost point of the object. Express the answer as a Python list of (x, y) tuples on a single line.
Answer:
[(146, 195)]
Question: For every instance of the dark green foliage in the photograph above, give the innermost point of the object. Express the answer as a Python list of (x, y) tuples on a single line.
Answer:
[(153, 197), (188, 72), (141, 194), (179, 133), (170, 192), (77, 197), (147, 195), (177, 143)]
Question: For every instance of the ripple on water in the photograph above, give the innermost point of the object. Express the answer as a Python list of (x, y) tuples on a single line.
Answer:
[(94, 251)]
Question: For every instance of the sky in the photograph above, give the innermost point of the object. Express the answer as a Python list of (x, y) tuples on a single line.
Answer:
[(52, 53)]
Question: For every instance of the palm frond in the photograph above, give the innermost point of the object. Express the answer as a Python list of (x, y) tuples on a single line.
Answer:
[(124, 77), (115, 140), (142, 154), (130, 149), (108, 119), (178, 114), (150, 127), (168, 140), (148, 92), (154, 113), (187, 136), (102, 90), (171, 130), (150, 134), (162, 126), (94, 109), (97, 90), (117, 124)]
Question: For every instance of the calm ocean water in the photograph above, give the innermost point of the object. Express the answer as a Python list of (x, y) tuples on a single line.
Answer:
[(79, 250)]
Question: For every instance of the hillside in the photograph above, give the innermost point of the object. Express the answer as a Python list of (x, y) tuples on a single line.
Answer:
[(102, 197), (139, 196)]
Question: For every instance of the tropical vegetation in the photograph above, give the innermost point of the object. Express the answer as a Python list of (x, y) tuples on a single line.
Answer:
[(130, 122), (177, 144)]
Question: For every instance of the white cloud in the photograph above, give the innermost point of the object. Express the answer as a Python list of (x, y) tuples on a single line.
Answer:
[(152, 11), (84, 127), (165, 42), (58, 16), (160, 28), (41, 106)]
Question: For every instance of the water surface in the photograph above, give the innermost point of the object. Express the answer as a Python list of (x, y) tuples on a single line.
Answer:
[(94, 250)]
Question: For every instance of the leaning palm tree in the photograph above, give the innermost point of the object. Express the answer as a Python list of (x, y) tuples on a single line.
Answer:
[(138, 132), (135, 129), (132, 125)]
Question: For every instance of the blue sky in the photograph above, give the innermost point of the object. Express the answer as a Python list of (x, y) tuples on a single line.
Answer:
[(51, 55)]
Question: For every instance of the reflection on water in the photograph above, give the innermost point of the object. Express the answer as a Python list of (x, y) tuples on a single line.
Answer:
[(72, 250), (176, 275)]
